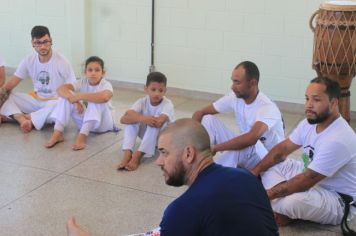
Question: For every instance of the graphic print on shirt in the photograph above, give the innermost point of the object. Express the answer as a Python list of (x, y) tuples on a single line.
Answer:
[(43, 79), (307, 156)]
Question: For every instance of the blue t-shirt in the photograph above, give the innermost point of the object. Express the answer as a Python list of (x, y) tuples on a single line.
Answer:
[(221, 201)]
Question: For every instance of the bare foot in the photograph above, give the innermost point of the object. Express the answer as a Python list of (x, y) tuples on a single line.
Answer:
[(74, 230), (26, 126), (80, 142), (282, 220), (25, 123), (27, 116), (135, 161), (125, 160), (56, 137)]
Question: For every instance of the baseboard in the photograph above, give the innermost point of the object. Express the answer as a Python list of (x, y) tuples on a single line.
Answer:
[(284, 106)]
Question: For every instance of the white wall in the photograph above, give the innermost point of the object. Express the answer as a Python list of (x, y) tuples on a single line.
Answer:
[(198, 42), (63, 18), (120, 34)]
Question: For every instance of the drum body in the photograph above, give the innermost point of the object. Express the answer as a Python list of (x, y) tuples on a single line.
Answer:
[(335, 46)]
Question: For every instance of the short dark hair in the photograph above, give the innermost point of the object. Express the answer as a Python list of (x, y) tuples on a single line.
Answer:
[(251, 70), (94, 59), (39, 31), (332, 87), (156, 77)]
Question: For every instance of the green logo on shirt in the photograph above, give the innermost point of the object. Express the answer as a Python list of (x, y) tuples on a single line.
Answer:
[(306, 160)]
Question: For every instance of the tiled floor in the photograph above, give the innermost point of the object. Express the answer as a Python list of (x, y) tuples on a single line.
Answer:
[(41, 188)]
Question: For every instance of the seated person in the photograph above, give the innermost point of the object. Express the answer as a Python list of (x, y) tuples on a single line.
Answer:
[(258, 118), (219, 201), (97, 117), (48, 70), (310, 190), (145, 119)]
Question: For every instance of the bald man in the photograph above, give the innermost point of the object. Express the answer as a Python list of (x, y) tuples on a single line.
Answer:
[(219, 201)]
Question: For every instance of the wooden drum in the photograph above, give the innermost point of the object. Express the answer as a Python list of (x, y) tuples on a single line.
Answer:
[(335, 46)]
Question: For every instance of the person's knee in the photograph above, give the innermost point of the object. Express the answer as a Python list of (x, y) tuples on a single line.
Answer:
[(292, 206)]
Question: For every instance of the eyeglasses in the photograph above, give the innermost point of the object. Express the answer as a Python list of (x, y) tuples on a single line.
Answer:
[(40, 43)]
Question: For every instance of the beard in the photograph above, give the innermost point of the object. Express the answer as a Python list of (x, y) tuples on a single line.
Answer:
[(239, 95), (319, 118), (177, 178), (44, 52)]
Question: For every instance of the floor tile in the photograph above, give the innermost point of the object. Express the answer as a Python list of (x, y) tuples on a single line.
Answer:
[(17, 180), (148, 177), (32, 152), (103, 208)]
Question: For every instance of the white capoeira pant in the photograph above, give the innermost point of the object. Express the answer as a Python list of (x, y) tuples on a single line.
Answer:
[(148, 137), (40, 110), (316, 204), (97, 117), (247, 158)]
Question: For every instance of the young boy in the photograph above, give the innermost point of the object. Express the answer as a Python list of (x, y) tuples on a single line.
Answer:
[(145, 119), (97, 117)]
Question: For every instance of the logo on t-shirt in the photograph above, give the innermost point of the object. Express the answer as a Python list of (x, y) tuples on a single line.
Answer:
[(308, 156), (43, 82)]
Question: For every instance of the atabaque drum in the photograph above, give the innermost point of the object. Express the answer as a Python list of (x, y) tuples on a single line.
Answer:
[(335, 44)]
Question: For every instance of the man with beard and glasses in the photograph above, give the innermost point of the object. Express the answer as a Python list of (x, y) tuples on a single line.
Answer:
[(48, 70), (258, 118), (311, 189), (219, 201)]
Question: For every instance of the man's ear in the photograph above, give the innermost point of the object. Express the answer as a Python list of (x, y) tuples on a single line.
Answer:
[(334, 102), (253, 82), (189, 153)]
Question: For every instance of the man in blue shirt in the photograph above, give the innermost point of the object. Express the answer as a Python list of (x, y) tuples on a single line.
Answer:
[(219, 201)]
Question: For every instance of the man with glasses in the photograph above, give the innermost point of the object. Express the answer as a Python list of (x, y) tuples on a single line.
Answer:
[(48, 70)]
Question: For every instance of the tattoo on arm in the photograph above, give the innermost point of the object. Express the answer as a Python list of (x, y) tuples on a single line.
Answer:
[(312, 175), (298, 183), (280, 190), (277, 158)]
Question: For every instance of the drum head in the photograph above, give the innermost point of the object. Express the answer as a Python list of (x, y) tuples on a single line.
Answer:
[(339, 6)]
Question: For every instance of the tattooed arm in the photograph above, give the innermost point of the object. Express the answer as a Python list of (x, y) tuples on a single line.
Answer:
[(277, 154), (298, 183)]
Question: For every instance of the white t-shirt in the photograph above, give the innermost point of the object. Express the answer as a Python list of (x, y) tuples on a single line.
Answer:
[(331, 153), (83, 86), (46, 77), (144, 107), (246, 115)]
